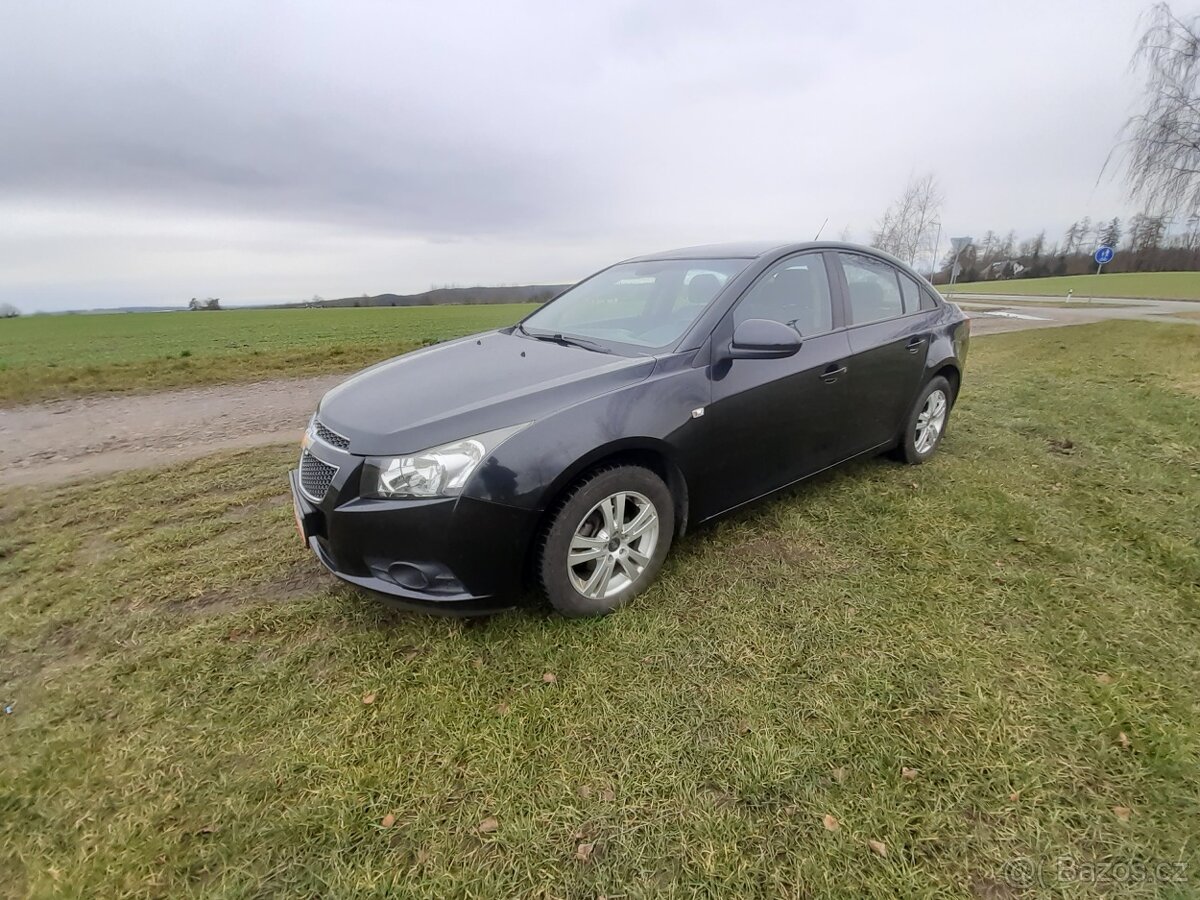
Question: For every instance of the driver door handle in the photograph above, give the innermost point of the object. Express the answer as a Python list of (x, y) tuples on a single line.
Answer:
[(832, 372)]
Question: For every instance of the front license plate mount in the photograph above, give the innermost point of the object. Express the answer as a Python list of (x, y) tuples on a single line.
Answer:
[(299, 522)]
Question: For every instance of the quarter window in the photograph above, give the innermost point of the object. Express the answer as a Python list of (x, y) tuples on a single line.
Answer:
[(912, 294), (874, 289), (794, 292)]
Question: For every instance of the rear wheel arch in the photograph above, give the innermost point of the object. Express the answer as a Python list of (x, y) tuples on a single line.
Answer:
[(951, 373), (908, 448)]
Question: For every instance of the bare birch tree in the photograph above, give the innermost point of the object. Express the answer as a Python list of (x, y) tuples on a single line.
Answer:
[(907, 227), (1161, 146)]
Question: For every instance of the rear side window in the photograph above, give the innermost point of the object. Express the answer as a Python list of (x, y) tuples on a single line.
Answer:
[(911, 292), (874, 288)]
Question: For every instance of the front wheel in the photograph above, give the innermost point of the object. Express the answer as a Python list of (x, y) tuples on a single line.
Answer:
[(926, 424), (606, 541)]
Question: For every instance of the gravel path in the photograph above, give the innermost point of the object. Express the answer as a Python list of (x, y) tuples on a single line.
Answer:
[(71, 439), (67, 440)]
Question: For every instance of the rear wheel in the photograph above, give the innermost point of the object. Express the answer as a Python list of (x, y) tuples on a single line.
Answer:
[(926, 423), (606, 541)]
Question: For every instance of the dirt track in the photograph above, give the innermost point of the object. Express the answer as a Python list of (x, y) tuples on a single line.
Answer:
[(69, 439), (65, 440)]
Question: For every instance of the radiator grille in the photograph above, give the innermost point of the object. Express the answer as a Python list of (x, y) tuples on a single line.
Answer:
[(315, 476), (332, 438)]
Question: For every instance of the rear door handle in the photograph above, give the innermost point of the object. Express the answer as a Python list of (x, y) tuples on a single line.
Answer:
[(914, 344), (832, 373)]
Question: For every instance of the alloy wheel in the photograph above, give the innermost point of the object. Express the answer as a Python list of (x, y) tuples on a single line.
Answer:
[(613, 544), (931, 421)]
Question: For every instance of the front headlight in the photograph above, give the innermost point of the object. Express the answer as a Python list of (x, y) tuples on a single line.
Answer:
[(438, 472)]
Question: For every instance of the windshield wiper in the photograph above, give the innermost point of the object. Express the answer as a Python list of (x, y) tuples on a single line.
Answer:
[(565, 340)]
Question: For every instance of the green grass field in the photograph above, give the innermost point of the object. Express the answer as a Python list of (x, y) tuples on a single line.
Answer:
[(43, 357), (49, 356), (984, 660), (1154, 285), (968, 304)]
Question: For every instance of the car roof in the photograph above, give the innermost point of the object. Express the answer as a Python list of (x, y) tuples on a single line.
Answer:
[(733, 250), (752, 250)]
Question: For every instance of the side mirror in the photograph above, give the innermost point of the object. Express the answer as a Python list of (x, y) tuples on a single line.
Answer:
[(763, 339)]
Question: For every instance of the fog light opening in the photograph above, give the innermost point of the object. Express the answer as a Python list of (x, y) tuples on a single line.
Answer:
[(408, 576)]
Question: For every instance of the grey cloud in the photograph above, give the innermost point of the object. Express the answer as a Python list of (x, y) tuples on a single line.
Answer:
[(166, 145), (280, 149)]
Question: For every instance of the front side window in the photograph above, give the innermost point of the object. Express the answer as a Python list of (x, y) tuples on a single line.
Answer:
[(874, 289), (795, 292), (648, 304)]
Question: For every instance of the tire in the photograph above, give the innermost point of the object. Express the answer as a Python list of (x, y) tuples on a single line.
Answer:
[(579, 525), (916, 445)]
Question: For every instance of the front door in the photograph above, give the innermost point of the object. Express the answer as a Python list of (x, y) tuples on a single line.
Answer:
[(773, 421)]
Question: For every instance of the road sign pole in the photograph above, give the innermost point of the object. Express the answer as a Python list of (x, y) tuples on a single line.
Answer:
[(957, 244), (936, 243)]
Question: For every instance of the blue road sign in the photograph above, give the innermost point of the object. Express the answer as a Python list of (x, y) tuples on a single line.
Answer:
[(1103, 255)]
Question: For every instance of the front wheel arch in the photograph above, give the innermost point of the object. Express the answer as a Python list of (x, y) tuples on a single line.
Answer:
[(555, 541), (634, 454), (650, 456)]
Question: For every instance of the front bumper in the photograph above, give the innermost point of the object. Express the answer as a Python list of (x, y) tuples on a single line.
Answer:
[(451, 555)]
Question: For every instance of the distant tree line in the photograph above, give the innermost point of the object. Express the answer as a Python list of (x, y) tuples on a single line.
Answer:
[(1152, 241), (1146, 243), (445, 296)]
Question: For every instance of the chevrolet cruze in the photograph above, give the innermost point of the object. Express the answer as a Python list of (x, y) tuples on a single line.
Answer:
[(568, 451)]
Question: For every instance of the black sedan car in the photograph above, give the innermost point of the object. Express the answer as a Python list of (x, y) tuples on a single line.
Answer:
[(569, 450)]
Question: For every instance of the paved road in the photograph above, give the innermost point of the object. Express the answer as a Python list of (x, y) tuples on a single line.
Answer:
[(65, 440), (993, 313)]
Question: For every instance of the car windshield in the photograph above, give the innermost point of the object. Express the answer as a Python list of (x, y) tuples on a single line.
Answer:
[(644, 304)]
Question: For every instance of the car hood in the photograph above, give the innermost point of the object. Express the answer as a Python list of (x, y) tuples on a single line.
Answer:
[(466, 387)]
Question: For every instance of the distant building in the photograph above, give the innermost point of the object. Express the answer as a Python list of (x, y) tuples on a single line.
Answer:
[(1004, 268)]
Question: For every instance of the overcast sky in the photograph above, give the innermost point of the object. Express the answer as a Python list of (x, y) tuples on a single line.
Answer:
[(153, 151)]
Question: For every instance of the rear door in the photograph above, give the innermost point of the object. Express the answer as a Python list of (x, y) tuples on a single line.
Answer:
[(773, 421), (889, 338)]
